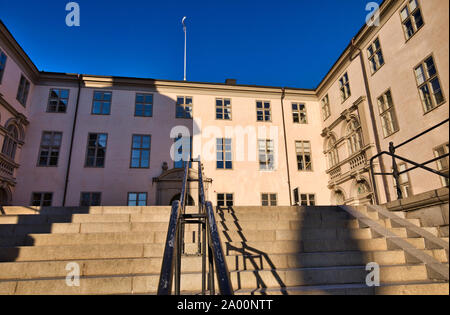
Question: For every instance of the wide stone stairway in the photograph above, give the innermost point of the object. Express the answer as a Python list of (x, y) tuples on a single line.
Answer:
[(269, 250)]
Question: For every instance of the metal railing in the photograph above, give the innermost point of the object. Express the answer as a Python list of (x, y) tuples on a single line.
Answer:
[(395, 171), (209, 243)]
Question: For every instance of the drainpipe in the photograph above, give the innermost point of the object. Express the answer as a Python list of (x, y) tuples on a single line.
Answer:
[(373, 122), (283, 95), (79, 76)]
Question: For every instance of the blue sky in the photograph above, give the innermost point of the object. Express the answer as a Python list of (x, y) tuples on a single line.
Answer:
[(277, 43)]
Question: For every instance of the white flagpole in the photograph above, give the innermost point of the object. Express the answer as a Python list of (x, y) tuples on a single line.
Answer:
[(185, 45)]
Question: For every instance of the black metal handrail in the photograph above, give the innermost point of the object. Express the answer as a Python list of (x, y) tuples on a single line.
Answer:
[(396, 173), (170, 263), (209, 240)]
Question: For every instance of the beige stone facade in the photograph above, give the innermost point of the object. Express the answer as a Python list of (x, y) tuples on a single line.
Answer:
[(320, 140)]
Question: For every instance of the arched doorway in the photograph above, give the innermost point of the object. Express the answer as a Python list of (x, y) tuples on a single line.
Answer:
[(190, 200)]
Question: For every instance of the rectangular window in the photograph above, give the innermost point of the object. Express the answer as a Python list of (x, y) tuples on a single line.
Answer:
[(50, 148), (269, 200), (411, 17), (375, 55), (223, 109), (96, 150), (263, 111), (429, 85), (137, 199), (344, 86), (387, 113), (2, 64), (144, 105), (90, 199), (58, 101), (102, 103), (184, 107), (225, 200), (266, 155), (443, 164), (405, 184), (308, 199), (140, 152), (304, 159), (22, 93), (224, 154), (41, 199), (326, 112), (299, 113), (183, 156)]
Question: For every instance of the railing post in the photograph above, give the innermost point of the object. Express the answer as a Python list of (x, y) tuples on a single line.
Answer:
[(395, 171)]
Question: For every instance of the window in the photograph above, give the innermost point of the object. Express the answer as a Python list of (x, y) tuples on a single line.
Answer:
[(10, 142), (22, 93), (144, 105), (41, 199), (428, 84), (332, 152), (102, 103), (375, 55), (326, 112), (137, 199), (2, 64), (269, 200), (299, 113), (184, 107), (344, 86), (405, 184), (182, 156), (90, 199), (225, 200), (223, 109), (354, 137), (308, 199), (304, 159), (96, 150), (224, 154), (387, 113), (266, 155), (140, 152), (58, 101), (442, 164), (263, 111), (50, 147), (411, 18)]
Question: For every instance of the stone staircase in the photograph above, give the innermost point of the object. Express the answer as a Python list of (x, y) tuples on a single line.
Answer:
[(280, 250)]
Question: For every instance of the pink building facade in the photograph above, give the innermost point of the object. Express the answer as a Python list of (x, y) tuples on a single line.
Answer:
[(71, 140)]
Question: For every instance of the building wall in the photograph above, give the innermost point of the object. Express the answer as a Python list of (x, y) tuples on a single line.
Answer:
[(350, 176)]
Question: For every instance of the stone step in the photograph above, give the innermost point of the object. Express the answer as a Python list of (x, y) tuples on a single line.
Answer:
[(294, 215), (141, 284), (136, 266), (48, 253), (190, 237), (83, 210), (58, 228), (412, 288), (324, 276), (84, 218)]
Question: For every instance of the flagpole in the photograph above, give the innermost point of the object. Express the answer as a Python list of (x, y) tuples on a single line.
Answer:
[(185, 46)]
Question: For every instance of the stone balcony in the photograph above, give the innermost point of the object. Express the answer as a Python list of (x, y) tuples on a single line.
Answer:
[(7, 169)]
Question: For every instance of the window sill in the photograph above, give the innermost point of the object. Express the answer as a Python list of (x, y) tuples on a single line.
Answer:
[(437, 106)]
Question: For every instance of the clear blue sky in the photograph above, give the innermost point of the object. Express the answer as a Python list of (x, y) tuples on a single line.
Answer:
[(268, 42)]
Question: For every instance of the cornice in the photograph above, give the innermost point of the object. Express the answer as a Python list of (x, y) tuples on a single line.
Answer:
[(13, 48)]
